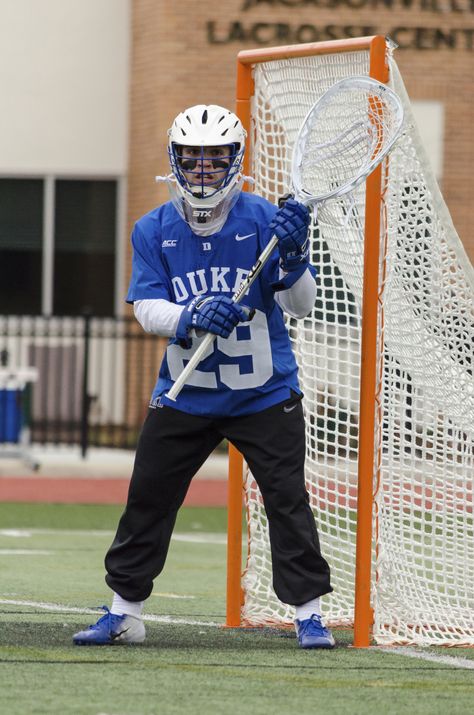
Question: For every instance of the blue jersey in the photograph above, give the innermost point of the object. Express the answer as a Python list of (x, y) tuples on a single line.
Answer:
[(254, 368)]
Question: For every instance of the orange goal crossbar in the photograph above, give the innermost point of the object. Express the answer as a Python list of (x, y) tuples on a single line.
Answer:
[(376, 46)]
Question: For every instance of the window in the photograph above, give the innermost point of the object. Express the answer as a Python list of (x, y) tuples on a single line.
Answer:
[(21, 231), (84, 247), (65, 264)]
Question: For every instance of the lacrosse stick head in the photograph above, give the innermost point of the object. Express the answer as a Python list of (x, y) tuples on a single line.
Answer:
[(344, 136)]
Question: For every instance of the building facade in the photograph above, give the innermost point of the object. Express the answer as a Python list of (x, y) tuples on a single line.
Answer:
[(185, 53), (63, 155), (91, 88)]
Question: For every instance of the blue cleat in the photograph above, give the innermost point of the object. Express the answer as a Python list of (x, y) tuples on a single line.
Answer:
[(312, 634), (112, 630)]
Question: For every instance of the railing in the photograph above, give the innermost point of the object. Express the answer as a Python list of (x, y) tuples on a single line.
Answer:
[(95, 376)]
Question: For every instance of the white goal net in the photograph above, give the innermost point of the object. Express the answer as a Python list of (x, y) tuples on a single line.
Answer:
[(423, 555)]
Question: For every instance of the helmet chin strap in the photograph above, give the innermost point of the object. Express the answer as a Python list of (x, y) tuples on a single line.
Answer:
[(202, 220), (215, 215)]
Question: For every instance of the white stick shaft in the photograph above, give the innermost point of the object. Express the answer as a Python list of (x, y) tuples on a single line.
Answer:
[(210, 337), (250, 280), (190, 367)]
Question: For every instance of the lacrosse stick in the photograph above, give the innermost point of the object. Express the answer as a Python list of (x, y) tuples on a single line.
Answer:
[(343, 138)]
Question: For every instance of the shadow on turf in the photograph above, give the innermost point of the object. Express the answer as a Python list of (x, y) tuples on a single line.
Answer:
[(175, 637), (39, 638)]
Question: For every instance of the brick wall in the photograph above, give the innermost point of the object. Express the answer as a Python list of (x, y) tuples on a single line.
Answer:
[(178, 59)]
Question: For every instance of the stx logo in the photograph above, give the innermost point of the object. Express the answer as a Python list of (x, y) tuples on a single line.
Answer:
[(202, 213)]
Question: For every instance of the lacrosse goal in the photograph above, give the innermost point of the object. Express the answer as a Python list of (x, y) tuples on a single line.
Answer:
[(385, 362)]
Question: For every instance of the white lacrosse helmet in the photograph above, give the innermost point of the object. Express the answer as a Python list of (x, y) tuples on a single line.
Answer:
[(206, 183)]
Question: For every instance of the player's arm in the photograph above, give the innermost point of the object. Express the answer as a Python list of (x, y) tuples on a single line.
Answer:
[(150, 285), (158, 316), (295, 290), (204, 314), (298, 301)]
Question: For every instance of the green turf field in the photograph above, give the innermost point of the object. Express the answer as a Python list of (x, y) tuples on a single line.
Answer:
[(51, 560)]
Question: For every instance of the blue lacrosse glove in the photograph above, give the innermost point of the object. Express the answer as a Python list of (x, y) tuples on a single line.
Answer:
[(290, 225), (215, 314)]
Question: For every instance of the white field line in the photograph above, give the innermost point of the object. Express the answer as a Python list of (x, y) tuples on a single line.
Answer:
[(25, 552), (97, 611), (28, 533), (453, 661), (201, 538), (188, 537), (172, 595)]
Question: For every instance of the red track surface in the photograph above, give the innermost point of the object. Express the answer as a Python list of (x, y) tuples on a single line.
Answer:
[(70, 490)]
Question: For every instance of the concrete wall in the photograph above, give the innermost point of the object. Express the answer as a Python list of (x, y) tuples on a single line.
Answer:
[(64, 78)]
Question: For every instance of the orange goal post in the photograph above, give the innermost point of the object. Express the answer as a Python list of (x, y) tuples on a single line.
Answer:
[(385, 362)]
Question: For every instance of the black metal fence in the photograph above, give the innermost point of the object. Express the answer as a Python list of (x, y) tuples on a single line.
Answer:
[(92, 377)]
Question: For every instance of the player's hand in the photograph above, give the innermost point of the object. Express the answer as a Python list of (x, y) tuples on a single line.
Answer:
[(290, 225), (215, 314)]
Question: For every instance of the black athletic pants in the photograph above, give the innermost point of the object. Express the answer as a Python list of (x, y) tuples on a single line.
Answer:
[(172, 447)]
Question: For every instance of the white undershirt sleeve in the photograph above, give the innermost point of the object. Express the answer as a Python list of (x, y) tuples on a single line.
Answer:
[(161, 317), (298, 301), (158, 316)]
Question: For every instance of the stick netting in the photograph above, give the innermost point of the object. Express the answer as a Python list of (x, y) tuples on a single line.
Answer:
[(423, 470)]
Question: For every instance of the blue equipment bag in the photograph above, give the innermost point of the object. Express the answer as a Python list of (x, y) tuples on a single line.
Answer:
[(10, 415)]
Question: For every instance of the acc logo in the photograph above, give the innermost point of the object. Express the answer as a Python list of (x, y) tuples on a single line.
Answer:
[(170, 243), (202, 213)]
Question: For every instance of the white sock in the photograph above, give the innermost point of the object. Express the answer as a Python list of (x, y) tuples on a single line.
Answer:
[(306, 610), (121, 607)]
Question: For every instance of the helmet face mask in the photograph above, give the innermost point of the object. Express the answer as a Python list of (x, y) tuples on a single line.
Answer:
[(204, 170), (206, 144)]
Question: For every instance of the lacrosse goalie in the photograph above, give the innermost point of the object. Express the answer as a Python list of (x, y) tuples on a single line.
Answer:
[(189, 256)]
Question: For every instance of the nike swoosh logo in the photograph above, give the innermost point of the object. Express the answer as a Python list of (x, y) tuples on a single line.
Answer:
[(289, 408), (114, 636), (242, 238)]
